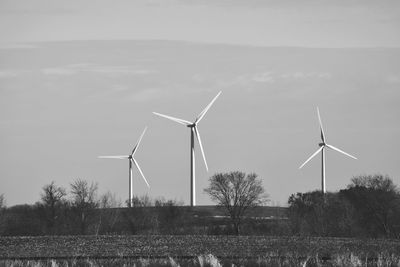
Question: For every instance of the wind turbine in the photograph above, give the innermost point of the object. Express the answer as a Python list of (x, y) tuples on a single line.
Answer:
[(321, 149), (193, 131), (132, 160)]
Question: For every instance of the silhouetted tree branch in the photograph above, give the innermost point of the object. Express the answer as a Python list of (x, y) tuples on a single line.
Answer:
[(236, 192), (52, 197), (2, 201), (84, 200), (376, 200)]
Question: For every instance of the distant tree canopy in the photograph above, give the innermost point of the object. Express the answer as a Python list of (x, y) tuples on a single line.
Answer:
[(82, 211), (142, 201), (368, 207), (236, 191), (376, 202), (84, 199), (52, 200), (374, 182), (83, 194), (2, 201), (318, 214), (109, 200), (52, 195)]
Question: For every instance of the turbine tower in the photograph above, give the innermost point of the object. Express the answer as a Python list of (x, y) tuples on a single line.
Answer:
[(193, 131), (321, 149), (132, 161)]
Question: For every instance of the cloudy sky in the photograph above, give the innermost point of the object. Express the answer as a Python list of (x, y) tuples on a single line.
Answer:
[(80, 79)]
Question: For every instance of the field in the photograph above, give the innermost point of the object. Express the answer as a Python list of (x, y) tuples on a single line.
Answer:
[(196, 251)]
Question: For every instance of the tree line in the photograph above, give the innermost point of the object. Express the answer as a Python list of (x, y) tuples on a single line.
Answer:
[(83, 211), (368, 207)]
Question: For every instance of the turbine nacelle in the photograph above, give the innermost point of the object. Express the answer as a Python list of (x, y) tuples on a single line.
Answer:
[(323, 145), (194, 132), (193, 125), (132, 160)]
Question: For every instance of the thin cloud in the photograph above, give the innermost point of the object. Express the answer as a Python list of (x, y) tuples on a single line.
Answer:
[(265, 77), (17, 46), (392, 79), (248, 79), (89, 67), (8, 73), (237, 81), (256, 79), (198, 78), (130, 94), (58, 71), (146, 95), (123, 70), (298, 75), (120, 88)]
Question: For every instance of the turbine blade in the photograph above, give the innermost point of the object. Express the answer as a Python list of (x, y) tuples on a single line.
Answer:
[(113, 157), (313, 155), (338, 150), (201, 115), (138, 142), (201, 146), (140, 170), (184, 122), (320, 126)]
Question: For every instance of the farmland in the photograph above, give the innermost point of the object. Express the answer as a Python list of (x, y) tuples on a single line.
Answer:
[(163, 220), (287, 251)]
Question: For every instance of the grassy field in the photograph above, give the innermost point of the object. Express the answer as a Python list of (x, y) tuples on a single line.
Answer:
[(196, 251)]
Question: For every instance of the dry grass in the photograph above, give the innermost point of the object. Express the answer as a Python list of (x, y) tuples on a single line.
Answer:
[(209, 260), (196, 251)]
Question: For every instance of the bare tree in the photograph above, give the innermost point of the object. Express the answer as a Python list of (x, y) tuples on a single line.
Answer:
[(52, 197), (2, 220), (236, 192), (320, 214), (83, 193), (52, 194), (109, 200), (142, 201), (376, 200), (374, 182), (84, 200), (2, 201), (109, 212)]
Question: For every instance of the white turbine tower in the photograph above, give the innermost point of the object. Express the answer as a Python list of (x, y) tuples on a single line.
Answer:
[(322, 146), (131, 161), (193, 131)]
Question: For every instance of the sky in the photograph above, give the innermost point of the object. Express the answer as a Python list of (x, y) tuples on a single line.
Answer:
[(80, 79)]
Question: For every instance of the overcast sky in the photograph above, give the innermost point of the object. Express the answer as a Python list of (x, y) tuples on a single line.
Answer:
[(79, 79)]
